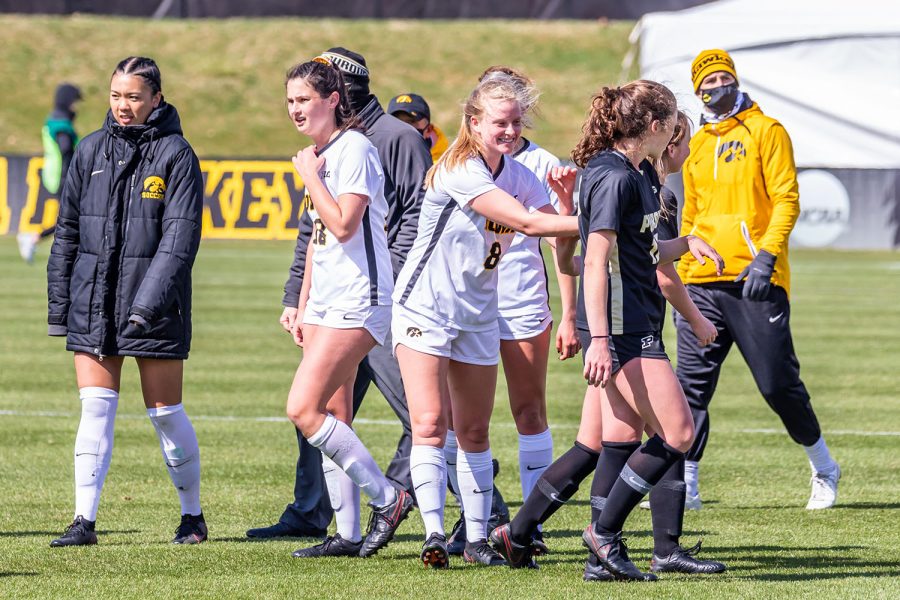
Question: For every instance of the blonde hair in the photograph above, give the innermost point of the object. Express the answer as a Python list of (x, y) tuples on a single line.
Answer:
[(682, 129), (495, 86)]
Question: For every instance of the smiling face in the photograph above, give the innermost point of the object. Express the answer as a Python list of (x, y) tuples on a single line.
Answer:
[(131, 99), (499, 127), (312, 114)]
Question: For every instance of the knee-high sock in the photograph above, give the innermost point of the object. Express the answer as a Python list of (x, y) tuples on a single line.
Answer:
[(476, 486), (535, 455), (613, 457), (93, 447), (692, 477), (429, 478), (344, 496), (667, 508), (338, 442), (181, 452), (643, 470), (450, 458), (558, 483)]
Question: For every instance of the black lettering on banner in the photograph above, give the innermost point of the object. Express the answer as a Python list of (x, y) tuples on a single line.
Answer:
[(493, 256)]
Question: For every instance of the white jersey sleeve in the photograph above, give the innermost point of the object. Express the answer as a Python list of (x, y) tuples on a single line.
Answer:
[(464, 184)]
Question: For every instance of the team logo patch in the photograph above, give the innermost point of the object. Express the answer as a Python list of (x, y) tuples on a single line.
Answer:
[(646, 342), (732, 151), (403, 99), (154, 188), (413, 332)]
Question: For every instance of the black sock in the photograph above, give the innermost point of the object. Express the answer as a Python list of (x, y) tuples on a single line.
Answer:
[(558, 483), (667, 506), (613, 457), (642, 471)]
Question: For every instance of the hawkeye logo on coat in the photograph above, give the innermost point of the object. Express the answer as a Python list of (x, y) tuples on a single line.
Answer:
[(154, 188), (732, 151)]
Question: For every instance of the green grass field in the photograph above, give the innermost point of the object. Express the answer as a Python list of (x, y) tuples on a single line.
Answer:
[(226, 77), (754, 479)]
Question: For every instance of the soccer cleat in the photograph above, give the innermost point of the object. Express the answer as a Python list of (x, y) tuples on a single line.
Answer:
[(79, 533), (613, 554), (539, 545), (332, 546), (824, 489), (683, 561), (457, 542), (192, 530), (27, 246), (281, 529), (434, 552), (595, 571), (481, 553), (690, 503), (384, 522), (516, 555)]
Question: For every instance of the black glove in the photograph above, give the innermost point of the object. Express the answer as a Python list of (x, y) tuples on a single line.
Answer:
[(759, 276), (137, 326)]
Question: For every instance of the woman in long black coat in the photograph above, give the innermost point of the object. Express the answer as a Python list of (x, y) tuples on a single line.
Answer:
[(119, 284)]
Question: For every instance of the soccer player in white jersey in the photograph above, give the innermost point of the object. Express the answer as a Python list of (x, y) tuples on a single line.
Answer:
[(345, 304), (444, 327)]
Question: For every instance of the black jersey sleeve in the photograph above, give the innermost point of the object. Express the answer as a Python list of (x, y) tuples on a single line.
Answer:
[(668, 224)]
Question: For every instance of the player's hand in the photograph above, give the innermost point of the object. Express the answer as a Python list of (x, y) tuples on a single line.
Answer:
[(705, 331), (307, 163), (567, 344), (562, 182), (759, 276), (288, 316), (701, 251), (297, 332), (598, 362)]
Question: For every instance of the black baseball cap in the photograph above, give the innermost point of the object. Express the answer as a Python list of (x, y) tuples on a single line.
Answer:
[(413, 104)]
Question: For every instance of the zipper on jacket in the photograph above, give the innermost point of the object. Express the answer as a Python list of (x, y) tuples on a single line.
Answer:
[(100, 357), (128, 209)]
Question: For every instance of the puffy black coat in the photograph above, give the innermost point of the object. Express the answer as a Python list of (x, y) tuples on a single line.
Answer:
[(119, 274)]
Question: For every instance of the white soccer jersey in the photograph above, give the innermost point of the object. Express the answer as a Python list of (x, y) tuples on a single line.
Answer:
[(451, 271), (357, 273), (523, 278)]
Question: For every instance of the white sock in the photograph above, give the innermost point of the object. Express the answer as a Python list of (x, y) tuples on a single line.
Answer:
[(820, 459), (181, 452), (450, 458), (429, 477), (339, 443), (535, 455), (692, 477), (93, 447), (344, 496), (476, 483)]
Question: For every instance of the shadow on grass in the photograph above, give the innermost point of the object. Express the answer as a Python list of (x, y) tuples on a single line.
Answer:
[(56, 533), (13, 574), (839, 506)]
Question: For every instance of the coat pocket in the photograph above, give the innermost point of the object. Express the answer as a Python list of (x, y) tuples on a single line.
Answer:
[(729, 235), (81, 293)]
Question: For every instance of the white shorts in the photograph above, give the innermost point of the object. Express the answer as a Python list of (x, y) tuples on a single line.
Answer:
[(524, 327), (374, 319), (424, 334)]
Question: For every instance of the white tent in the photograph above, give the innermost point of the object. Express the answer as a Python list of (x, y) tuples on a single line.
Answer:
[(829, 70)]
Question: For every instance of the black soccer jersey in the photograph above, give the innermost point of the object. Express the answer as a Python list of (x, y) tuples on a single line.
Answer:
[(616, 196)]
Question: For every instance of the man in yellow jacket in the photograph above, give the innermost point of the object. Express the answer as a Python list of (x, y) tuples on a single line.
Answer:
[(741, 196)]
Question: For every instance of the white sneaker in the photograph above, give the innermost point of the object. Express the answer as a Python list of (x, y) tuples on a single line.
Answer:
[(690, 503), (27, 246), (824, 489)]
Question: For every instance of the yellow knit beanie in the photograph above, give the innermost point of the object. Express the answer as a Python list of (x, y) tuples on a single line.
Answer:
[(711, 61)]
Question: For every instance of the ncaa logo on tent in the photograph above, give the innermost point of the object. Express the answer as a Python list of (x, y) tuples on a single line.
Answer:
[(154, 188)]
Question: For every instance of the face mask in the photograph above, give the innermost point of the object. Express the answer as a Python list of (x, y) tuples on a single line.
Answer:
[(721, 99)]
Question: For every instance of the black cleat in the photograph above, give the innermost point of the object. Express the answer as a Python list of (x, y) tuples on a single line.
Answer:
[(79, 533), (384, 522), (517, 556), (434, 552), (456, 545), (683, 561), (280, 529), (595, 571), (332, 546), (537, 542), (192, 530), (613, 554), (481, 553)]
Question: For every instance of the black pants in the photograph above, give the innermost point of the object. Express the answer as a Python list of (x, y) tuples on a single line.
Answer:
[(311, 507), (761, 330)]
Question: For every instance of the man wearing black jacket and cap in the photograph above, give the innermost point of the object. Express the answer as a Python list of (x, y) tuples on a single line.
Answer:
[(405, 160)]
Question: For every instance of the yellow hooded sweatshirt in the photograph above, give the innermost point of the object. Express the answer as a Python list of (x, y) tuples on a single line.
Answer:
[(740, 195)]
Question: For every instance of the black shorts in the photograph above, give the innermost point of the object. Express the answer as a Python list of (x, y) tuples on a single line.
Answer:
[(625, 347)]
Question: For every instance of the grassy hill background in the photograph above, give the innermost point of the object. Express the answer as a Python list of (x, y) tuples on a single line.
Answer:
[(226, 76)]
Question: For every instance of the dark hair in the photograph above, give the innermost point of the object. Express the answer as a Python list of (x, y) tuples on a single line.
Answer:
[(326, 79), (622, 113), (141, 66)]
